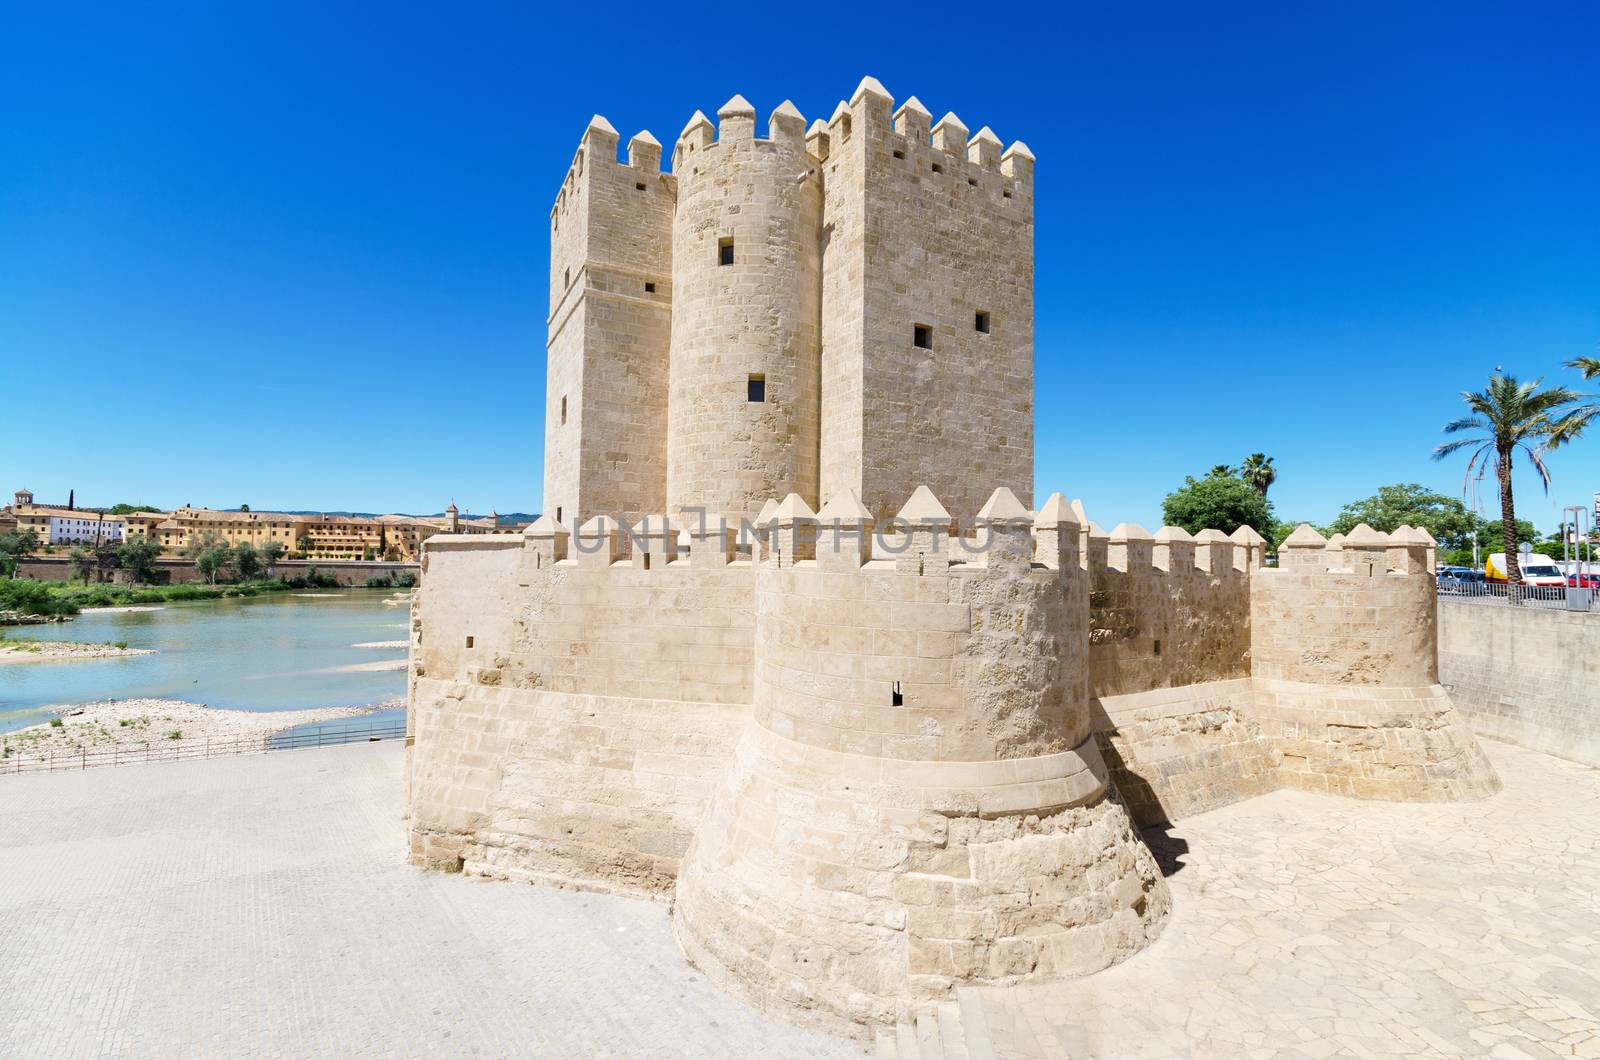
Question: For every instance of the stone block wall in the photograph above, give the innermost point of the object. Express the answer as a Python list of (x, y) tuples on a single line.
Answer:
[(871, 768), (1527, 675)]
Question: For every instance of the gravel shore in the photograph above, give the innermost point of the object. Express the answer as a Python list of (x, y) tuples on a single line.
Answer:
[(26, 651)]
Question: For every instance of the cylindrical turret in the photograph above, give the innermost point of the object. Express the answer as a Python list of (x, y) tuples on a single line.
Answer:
[(743, 402)]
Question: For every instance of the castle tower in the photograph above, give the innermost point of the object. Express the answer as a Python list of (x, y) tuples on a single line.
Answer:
[(917, 800), (610, 314), (742, 415), (927, 329)]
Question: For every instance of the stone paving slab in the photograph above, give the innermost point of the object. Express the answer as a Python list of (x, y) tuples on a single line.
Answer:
[(264, 906)]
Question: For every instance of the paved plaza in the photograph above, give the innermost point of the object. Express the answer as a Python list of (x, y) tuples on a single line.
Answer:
[(263, 905)]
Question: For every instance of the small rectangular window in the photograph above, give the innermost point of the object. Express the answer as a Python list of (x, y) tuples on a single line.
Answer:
[(922, 336), (563, 409), (639, 186), (725, 250), (558, 513), (899, 154), (981, 322), (937, 168), (896, 699), (469, 642), (1007, 194), (756, 388), (649, 288), (566, 278)]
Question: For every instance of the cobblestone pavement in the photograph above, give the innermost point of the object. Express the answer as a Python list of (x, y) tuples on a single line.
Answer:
[(262, 905), (1312, 926)]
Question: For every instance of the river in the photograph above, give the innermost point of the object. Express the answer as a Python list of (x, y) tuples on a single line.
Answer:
[(280, 651)]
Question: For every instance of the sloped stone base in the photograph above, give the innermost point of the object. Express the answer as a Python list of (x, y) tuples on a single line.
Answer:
[(829, 887), (1367, 742), (592, 792)]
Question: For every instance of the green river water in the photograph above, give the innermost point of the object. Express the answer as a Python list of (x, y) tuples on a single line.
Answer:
[(281, 651)]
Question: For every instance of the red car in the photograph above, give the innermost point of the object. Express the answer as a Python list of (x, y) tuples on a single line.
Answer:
[(1584, 581)]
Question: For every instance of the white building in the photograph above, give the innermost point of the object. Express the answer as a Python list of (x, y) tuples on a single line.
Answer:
[(81, 528)]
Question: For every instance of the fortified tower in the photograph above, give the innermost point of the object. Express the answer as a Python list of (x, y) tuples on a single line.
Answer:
[(886, 747), (610, 320), (742, 411), (844, 308)]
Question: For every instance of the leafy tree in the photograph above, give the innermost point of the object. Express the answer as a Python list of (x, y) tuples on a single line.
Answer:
[(212, 562), (1217, 502), (1220, 471), (200, 543), (14, 546), (138, 558), (1507, 416), (270, 554), (80, 564), (1258, 472), (246, 561), (129, 509), (1446, 518), (244, 507)]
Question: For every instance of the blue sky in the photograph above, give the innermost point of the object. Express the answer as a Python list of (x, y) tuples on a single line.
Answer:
[(295, 256)]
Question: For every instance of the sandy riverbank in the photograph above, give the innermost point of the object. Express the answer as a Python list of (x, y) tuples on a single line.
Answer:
[(26, 651), (133, 723)]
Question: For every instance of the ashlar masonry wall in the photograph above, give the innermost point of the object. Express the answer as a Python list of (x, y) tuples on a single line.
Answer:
[(1527, 675)]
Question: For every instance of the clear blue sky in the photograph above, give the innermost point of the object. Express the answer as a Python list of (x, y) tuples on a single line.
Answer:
[(295, 256)]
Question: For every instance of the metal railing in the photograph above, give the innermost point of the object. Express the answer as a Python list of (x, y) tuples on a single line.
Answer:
[(31, 760), (1550, 597)]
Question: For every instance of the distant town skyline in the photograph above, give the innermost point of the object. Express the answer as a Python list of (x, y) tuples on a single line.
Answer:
[(302, 260)]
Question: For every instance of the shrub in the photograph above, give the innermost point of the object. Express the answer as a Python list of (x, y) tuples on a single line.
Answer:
[(121, 645), (405, 579), (175, 734), (55, 723), (380, 581)]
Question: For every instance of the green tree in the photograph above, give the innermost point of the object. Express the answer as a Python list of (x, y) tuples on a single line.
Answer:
[(138, 558), (271, 553), (1507, 416), (80, 564), (13, 547), (203, 542), (1446, 518), (246, 561), (244, 507), (1220, 471), (1258, 472), (1217, 502), (129, 509), (212, 562)]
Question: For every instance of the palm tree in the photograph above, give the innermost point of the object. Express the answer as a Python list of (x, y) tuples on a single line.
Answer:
[(1220, 471), (1258, 471), (1507, 416)]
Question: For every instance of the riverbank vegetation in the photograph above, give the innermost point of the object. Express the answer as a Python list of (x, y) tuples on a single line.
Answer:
[(36, 599)]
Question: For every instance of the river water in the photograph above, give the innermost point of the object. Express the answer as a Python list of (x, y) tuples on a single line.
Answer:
[(281, 651)]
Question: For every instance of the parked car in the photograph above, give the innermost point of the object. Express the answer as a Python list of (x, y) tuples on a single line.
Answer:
[(1584, 580), (1460, 581)]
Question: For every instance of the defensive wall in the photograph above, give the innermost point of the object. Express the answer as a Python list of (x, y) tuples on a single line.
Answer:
[(1526, 675), (873, 764)]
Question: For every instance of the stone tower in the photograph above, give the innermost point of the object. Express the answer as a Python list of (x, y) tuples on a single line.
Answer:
[(610, 317), (742, 413), (847, 308)]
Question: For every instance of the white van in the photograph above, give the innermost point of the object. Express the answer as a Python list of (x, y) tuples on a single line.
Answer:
[(1537, 569)]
